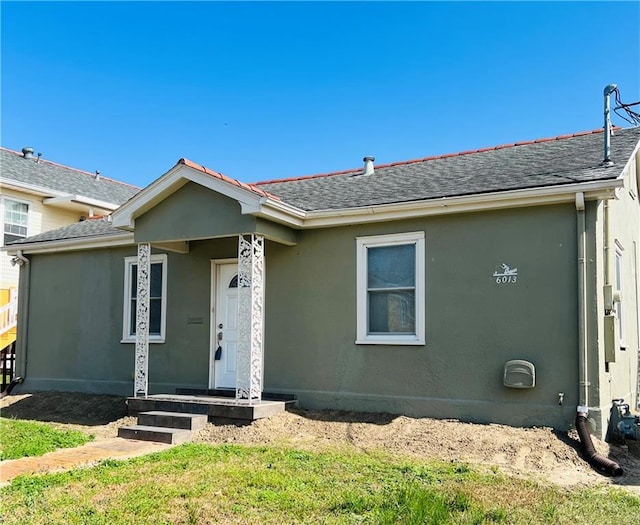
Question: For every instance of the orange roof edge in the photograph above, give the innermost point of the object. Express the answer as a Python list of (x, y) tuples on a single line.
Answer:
[(435, 157), (223, 177)]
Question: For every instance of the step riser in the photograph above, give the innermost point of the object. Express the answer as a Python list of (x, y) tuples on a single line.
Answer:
[(211, 410), (148, 405), (159, 435), (215, 392), (172, 420)]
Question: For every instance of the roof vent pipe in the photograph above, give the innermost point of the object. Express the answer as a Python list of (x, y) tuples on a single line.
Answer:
[(27, 153), (97, 175), (368, 165), (607, 124)]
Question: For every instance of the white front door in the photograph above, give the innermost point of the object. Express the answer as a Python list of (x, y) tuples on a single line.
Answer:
[(225, 328)]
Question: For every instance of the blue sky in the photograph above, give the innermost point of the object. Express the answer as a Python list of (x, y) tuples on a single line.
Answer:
[(271, 90)]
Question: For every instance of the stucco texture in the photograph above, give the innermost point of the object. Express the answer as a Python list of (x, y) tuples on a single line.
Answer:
[(473, 325)]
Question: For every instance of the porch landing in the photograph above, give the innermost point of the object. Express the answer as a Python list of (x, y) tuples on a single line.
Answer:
[(211, 406)]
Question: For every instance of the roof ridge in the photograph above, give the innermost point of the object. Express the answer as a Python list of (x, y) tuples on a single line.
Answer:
[(19, 154), (443, 156), (249, 187)]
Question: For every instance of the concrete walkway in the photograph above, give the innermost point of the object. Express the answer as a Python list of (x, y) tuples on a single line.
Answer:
[(84, 456)]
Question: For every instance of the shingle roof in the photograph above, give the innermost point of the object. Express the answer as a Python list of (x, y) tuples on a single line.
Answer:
[(46, 174), (95, 227), (545, 162)]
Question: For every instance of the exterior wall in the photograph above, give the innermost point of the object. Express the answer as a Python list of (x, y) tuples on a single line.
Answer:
[(619, 379), (41, 218), (75, 346), (473, 325)]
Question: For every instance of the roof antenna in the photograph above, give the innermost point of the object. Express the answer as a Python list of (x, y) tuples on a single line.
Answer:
[(611, 88)]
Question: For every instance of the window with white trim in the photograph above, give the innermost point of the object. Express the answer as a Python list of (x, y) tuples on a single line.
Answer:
[(390, 289), (16, 220), (157, 299)]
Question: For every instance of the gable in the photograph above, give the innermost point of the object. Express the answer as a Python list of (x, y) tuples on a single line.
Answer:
[(195, 212)]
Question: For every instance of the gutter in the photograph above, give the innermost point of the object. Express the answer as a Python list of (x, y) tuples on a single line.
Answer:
[(294, 217), (55, 197), (76, 243), (282, 213), (79, 201)]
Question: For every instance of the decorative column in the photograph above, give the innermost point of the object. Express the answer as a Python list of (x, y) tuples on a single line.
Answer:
[(141, 386), (250, 318)]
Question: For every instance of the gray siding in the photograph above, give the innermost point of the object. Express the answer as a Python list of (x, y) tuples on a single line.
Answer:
[(75, 321), (473, 325)]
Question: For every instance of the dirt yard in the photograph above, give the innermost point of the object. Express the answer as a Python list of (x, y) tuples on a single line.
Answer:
[(541, 453)]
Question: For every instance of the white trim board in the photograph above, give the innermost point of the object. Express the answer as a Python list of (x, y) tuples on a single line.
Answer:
[(283, 213)]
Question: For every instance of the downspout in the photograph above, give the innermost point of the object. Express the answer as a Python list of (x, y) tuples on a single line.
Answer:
[(582, 423), (23, 314), (583, 376)]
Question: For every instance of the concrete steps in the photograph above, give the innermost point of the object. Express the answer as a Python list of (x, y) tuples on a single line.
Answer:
[(210, 406), (157, 418), (164, 427)]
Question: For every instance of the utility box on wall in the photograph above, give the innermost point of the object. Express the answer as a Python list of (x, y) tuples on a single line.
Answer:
[(519, 374), (611, 338)]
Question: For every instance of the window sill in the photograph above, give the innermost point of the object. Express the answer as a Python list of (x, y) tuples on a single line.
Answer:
[(391, 341), (151, 341)]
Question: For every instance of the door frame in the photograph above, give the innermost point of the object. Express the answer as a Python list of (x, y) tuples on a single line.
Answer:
[(215, 264)]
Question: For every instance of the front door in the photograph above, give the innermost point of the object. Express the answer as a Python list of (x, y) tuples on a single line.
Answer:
[(225, 327)]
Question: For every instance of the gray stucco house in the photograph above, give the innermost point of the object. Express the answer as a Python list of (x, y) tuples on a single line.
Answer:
[(496, 285)]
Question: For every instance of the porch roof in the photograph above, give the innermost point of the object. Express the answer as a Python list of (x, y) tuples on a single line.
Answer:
[(93, 227)]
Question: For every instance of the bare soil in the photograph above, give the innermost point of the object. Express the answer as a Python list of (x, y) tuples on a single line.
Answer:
[(541, 453)]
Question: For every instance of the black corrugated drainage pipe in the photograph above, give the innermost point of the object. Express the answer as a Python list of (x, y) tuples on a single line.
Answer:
[(14, 382), (596, 460)]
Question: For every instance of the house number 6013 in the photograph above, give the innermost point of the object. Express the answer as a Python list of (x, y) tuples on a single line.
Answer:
[(503, 274)]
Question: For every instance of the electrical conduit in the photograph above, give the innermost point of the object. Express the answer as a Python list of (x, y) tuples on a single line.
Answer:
[(582, 424)]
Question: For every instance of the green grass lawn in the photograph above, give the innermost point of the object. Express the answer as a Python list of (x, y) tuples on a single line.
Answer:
[(20, 438), (201, 484)]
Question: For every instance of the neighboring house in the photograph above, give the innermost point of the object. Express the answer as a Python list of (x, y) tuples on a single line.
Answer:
[(497, 285), (37, 195)]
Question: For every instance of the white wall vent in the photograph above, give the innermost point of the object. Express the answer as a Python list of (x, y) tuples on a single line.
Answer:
[(519, 374)]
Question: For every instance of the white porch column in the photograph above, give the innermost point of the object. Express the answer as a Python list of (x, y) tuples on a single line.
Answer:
[(141, 386), (250, 318)]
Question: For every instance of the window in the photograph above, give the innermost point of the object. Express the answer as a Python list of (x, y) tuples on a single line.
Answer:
[(618, 284), (16, 220), (390, 288), (157, 299)]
